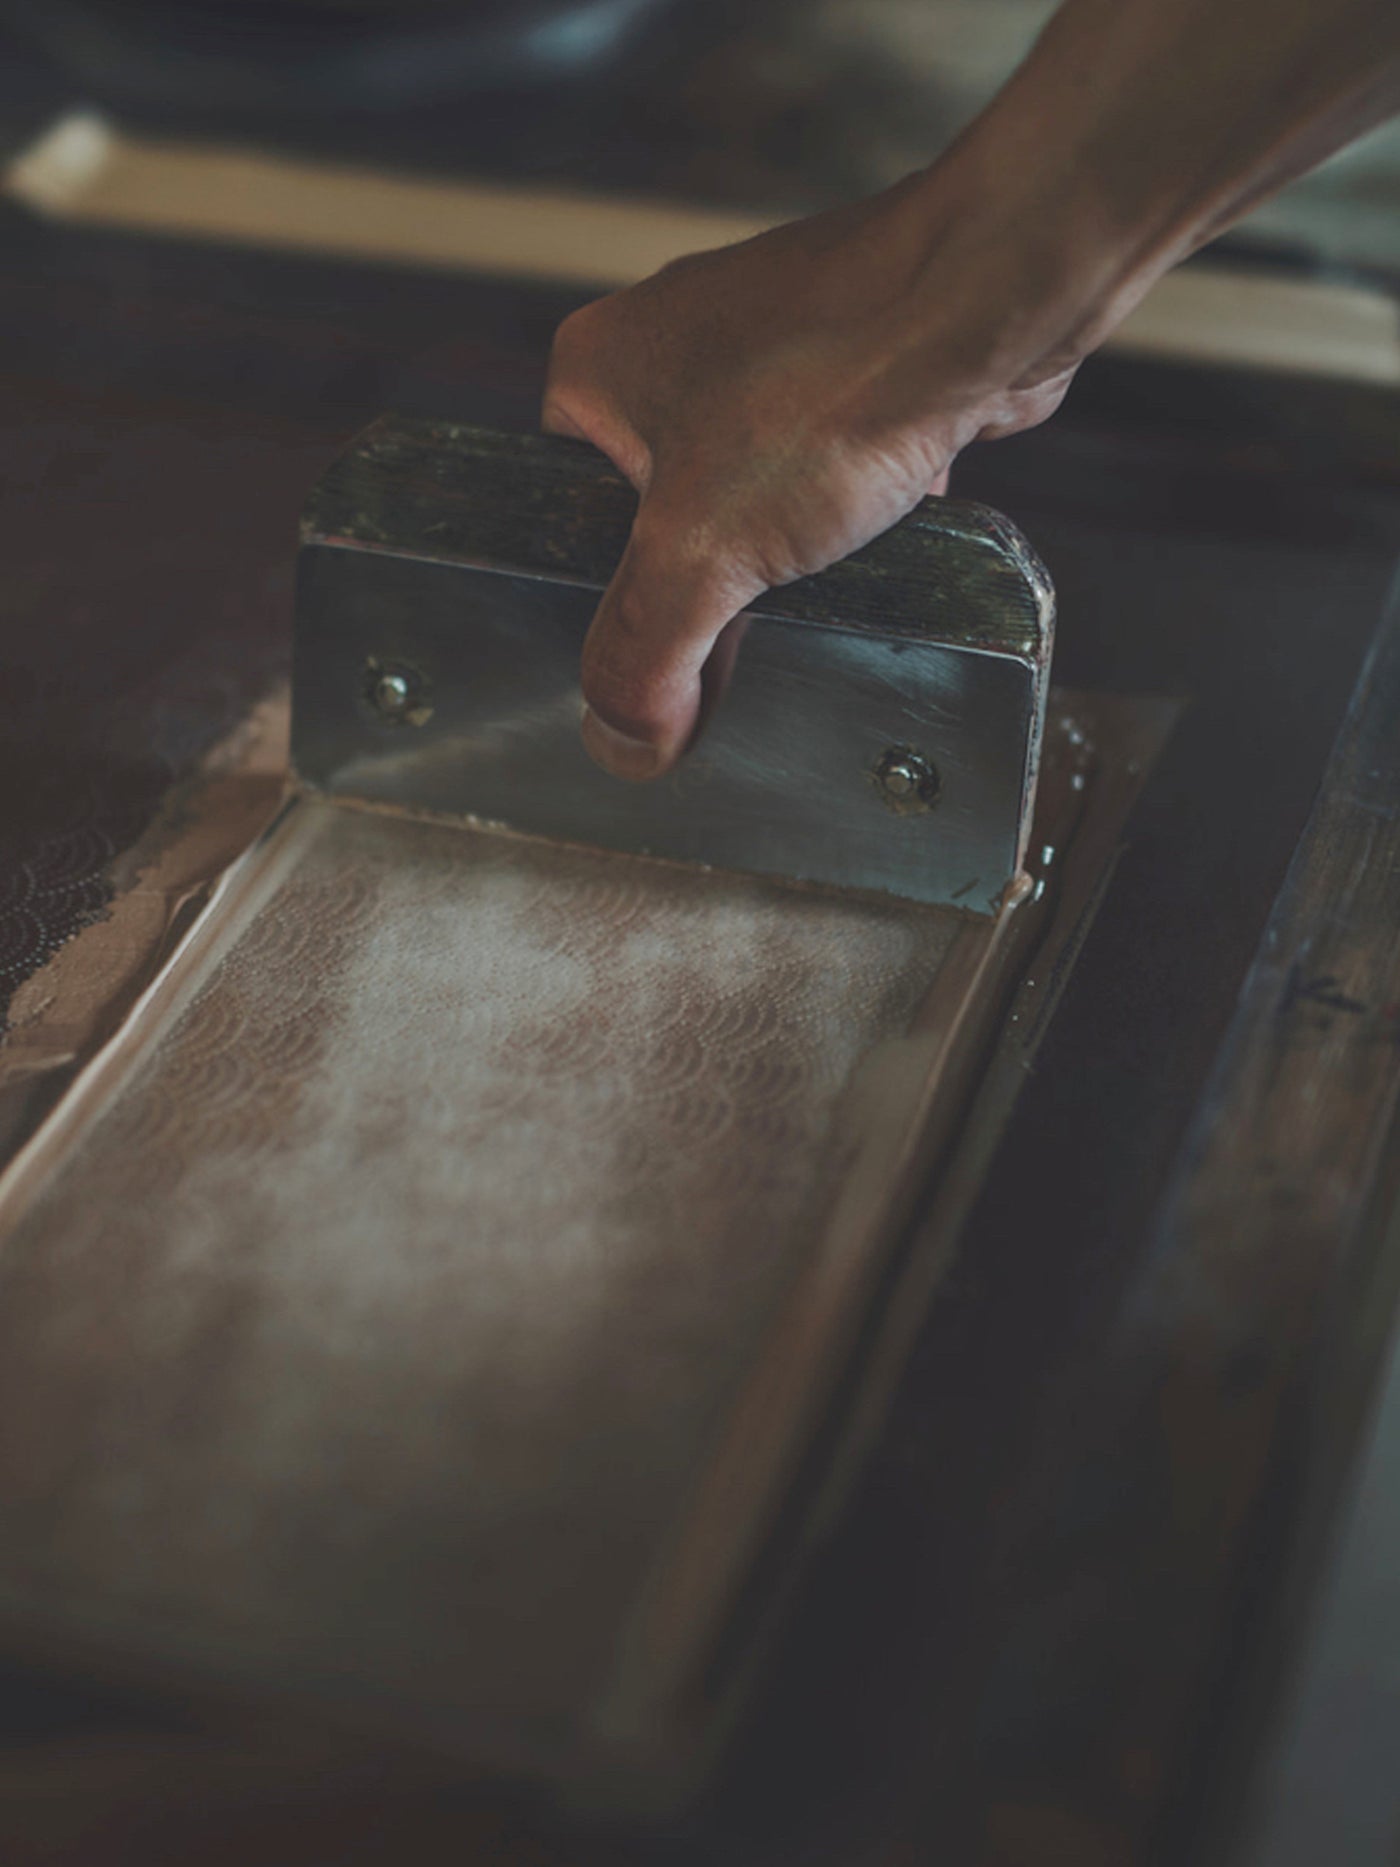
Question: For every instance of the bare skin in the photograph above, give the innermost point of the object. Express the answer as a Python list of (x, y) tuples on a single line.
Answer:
[(781, 402)]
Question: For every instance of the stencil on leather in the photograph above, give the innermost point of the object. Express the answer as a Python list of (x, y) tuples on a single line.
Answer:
[(383, 1319)]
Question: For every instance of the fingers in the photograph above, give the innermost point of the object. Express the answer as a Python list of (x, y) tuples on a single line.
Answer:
[(660, 617), (580, 402), (656, 626)]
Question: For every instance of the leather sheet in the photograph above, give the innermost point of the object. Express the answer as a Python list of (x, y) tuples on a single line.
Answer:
[(386, 1294)]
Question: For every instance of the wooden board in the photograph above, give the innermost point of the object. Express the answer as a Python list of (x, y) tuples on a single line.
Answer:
[(442, 1276), (86, 171), (975, 1607)]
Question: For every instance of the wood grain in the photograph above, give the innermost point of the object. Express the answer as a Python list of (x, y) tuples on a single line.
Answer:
[(1285, 1153), (1209, 1477), (951, 571), (1279, 1205)]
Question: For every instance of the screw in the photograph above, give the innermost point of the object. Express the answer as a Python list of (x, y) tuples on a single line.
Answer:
[(391, 695), (900, 777), (397, 692), (908, 781)]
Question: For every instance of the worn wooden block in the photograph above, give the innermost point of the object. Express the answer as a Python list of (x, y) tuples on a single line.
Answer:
[(464, 567)]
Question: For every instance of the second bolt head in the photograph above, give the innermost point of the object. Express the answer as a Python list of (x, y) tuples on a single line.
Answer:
[(907, 780), (391, 693), (396, 691)]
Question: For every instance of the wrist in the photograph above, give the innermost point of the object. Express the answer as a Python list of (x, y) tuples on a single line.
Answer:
[(1134, 133), (1013, 284)]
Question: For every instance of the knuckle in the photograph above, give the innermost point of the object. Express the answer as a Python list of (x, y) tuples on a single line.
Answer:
[(633, 618), (575, 352), (677, 586), (576, 330), (679, 548)]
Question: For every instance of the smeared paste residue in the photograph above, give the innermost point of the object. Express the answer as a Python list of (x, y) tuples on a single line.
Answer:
[(382, 1321)]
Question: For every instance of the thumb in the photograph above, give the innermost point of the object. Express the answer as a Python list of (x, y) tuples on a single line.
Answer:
[(655, 628)]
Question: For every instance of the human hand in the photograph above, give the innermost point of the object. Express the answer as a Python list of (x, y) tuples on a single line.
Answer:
[(779, 403), (776, 404)]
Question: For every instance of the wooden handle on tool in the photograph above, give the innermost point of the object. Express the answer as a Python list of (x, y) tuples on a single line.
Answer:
[(951, 571)]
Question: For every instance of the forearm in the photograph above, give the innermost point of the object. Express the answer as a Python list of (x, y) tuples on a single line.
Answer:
[(780, 402), (1135, 132)]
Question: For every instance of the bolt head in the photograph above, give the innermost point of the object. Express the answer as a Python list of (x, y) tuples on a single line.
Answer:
[(900, 778), (906, 780), (397, 691), (392, 693)]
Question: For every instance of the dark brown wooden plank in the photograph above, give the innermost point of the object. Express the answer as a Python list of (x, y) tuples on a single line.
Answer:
[(1283, 1156), (1269, 1240), (1182, 1481)]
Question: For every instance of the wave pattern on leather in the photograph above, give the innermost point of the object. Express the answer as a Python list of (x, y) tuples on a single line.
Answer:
[(380, 1322)]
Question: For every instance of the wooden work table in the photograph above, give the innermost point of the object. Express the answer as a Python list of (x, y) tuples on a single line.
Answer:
[(1037, 1634)]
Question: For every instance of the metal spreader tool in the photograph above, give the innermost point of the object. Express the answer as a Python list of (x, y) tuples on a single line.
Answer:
[(881, 732), (539, 1229)]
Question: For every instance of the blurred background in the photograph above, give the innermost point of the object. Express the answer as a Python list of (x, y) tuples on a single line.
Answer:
[(778, 105)]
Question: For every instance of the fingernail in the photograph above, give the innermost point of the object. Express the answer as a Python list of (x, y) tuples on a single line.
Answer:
[(616, 752)]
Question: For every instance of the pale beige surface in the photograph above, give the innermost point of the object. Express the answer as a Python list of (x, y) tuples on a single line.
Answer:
[(85, 171), (1232, 316), (382, 1294)]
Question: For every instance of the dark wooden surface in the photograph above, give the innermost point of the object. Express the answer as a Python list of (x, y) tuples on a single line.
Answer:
[(1210, 1439), (954, 1684), (1280, 1273)]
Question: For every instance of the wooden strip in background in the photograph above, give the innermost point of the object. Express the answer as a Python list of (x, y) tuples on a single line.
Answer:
[(1232, 317), (83, 170)]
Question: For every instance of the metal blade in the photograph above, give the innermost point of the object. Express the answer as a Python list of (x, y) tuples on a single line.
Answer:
[(888, 754)]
